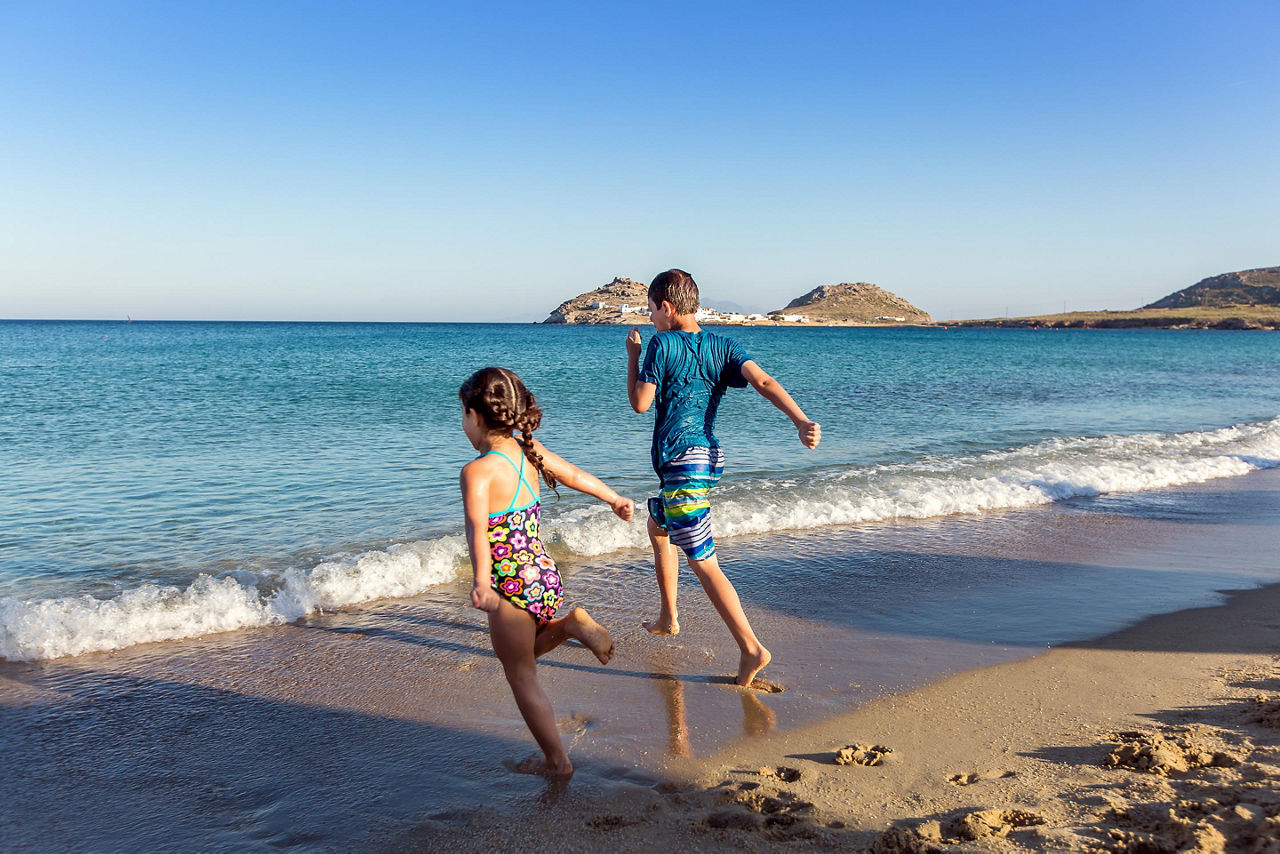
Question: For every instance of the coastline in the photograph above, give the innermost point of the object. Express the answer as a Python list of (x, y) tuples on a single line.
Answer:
[(1010, 757), (389, 726)]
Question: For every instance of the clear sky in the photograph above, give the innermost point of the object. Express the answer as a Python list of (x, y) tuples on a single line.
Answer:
[(485, 161)]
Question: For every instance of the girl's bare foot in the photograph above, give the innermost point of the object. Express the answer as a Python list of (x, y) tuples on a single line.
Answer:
[(590, 634), (539, 765), (662, 626), (750, 665)]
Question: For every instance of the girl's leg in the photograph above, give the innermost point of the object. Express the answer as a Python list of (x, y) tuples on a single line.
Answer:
[(512, 633), (666, 564), (577, 624), (754, 656)]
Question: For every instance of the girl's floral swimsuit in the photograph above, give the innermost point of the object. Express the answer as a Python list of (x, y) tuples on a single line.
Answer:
[(523, 572)]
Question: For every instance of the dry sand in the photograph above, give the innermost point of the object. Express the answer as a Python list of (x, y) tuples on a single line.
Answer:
[(1162, 737)]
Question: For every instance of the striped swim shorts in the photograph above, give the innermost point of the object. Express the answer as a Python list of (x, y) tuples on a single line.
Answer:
[(682, 510)]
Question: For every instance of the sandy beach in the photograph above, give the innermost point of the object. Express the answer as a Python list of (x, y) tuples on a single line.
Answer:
[(389, 728), (1162, 737)]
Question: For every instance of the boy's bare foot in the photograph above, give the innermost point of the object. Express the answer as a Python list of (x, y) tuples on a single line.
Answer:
[(750, 665), (662, 627), (591, 634), (539, 765)]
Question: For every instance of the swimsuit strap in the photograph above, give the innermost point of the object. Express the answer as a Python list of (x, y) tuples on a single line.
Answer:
[(519, 483)]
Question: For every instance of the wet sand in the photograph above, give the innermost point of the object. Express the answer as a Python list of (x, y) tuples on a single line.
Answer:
[(390, 726)]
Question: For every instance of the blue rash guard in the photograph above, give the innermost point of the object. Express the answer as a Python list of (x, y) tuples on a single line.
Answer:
[(692, 370)]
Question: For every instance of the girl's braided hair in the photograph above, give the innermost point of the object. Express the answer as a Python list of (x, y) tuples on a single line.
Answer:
[(505, 405)]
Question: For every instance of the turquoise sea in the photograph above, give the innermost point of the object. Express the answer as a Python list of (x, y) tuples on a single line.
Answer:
[(168, 479)]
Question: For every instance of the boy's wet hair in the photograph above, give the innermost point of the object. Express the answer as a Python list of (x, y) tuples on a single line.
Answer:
[(676, 287), (506, 406)]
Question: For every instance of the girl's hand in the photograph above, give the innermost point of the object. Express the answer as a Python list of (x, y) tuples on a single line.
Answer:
[(810, 434), (634, 343), (622, 507), (485, 598)]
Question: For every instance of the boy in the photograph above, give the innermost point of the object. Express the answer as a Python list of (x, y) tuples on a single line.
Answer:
[(688, 370)]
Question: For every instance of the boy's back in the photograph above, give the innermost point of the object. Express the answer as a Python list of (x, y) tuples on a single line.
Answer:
[(692, 371), (686, 371)]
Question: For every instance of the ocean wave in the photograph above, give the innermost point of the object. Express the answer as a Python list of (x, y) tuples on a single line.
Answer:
[(1041, 473)]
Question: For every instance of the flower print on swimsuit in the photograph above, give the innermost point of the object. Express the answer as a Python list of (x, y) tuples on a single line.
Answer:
[(535, 546), (524, 556), (506, 567), (517, 539), (534, 591), (551, 578), (530, 574), (500, 550), (516, 520), (545, 562), (511, 586), (498, 534)]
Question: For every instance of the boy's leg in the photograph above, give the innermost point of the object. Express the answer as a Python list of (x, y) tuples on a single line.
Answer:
[(512, 632), (577, 624), (753, 656), (666, 564)]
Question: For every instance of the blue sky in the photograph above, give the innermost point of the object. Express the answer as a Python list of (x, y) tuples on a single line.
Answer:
[(485, 161)]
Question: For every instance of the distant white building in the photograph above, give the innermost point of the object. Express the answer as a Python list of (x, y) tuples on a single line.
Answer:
[(887, 319), (600, 305), (792, 318)]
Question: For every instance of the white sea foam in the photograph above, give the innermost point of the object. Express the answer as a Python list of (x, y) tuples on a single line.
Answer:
[(50, 628), (1041, 473)]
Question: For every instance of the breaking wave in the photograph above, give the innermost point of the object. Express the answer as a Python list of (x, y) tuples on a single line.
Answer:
[(1041, 473)]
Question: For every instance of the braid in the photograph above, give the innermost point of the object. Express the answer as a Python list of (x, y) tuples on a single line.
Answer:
[(527, 422), (507, 406)]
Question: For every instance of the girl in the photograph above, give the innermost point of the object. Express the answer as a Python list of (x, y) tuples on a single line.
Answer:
[(516, 582)]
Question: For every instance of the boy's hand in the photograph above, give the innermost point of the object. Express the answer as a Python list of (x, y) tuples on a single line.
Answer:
[(485, 598), (634, 344), (810, 433), (622, 507)]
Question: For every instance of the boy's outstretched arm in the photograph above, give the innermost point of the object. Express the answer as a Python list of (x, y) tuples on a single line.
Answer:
[(772, 391), (640, 394)]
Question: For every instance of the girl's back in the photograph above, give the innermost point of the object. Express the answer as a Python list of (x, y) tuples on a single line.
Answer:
[(513, 482)]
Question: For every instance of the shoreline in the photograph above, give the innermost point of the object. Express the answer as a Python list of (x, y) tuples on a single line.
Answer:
[(1009, 757), (389, 726)]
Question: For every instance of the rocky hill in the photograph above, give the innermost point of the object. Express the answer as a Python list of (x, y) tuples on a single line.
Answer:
[(625, 302), (604, 304), (1244, 287), (858, 302)]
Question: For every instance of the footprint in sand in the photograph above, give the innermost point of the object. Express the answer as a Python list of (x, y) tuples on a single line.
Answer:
[(573, 724), (764, 686), (978, 776), (983, 823), (862, 754), (782, 772)]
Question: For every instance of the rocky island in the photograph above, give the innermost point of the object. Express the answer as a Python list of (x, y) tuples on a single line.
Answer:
[(857, 303), (625, 301)]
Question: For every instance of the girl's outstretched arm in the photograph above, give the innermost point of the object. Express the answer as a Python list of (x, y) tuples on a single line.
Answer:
[(584, 482), (475, 507)]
